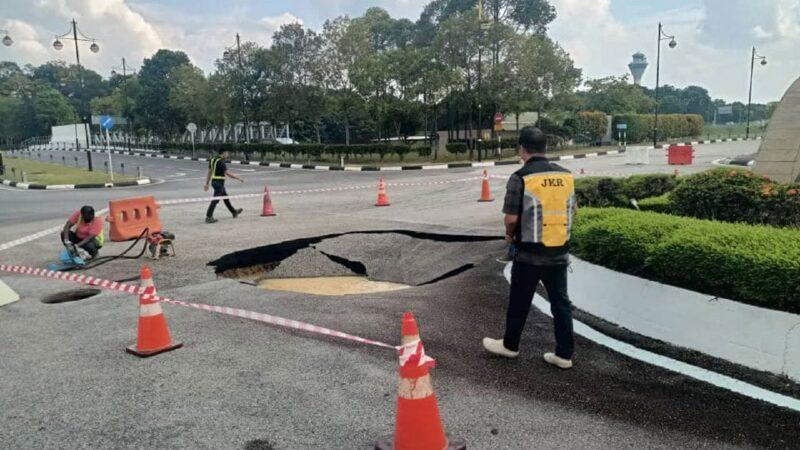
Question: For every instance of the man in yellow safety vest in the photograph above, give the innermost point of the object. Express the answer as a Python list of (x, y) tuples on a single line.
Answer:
[(217, 172), (539, 208)]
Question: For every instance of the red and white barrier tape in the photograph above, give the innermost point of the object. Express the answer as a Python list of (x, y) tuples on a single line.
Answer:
[(224, 310), (313, 191)]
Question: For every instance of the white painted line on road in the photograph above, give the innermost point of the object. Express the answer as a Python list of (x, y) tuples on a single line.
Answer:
[(566, 157), (698, 373)]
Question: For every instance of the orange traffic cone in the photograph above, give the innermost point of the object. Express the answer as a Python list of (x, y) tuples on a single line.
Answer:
[(383, 199), (486, 194), (267, 210), (418, 425), (153, 336)]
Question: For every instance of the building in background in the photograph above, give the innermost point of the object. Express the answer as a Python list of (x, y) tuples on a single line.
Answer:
[(638, 66)]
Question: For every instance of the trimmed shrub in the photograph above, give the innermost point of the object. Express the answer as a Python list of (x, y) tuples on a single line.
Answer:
[(457, 148), (604, 192), (660, 204), (737, 196), (757, 265), (670, 126), (592, 124)]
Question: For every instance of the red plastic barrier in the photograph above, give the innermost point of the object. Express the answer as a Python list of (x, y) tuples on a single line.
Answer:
[(129, 217), (681, 155)]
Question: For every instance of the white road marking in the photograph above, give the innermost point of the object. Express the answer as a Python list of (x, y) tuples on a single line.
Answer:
[(698, 373)]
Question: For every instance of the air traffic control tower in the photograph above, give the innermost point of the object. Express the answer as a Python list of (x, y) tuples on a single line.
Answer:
[(638, 66)]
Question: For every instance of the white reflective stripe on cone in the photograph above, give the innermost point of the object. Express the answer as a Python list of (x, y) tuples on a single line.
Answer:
[(149, 310)]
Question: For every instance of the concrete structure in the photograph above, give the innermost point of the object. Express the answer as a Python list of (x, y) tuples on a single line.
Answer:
[(759, 338), (638, 66), (779, 155)]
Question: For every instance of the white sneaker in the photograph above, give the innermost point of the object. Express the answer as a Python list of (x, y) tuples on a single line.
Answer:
[(561, 363), (497, 347)]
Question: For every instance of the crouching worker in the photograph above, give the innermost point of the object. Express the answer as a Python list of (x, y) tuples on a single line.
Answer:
[(85, 231)]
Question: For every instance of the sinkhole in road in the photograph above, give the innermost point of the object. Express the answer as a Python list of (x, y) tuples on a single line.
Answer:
[(72, 295), (359, 262)]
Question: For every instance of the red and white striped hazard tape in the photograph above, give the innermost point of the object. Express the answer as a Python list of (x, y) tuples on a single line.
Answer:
[(313, 191), (224, 310)]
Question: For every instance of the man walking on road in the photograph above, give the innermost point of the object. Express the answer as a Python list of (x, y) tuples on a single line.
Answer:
[(217, 171), (539, 207)]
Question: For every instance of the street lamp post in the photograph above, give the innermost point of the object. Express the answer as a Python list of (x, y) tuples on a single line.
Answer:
[(125, 106), (241, 85), (753, 59), (662, 36), (58, 45)]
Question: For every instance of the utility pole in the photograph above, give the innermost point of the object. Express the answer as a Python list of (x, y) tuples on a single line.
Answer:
[(750, 95), (241, 86)]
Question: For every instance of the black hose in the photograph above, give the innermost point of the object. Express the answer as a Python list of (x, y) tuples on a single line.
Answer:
[(107, 259)]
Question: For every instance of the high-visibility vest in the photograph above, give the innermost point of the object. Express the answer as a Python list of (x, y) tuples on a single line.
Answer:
[(548, 199), (213, 166), (100, 238)]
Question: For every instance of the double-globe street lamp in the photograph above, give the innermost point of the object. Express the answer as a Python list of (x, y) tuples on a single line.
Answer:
[(58, 45), (753, 59), (662, 36), (226, 54)]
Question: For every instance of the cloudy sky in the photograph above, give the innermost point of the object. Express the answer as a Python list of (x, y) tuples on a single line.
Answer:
[(714, 36)]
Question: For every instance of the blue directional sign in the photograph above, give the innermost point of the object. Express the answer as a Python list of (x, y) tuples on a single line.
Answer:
[(622, 126), (107, 122)]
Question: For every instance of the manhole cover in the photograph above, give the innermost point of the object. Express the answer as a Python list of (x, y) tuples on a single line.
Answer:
[(70, 296)]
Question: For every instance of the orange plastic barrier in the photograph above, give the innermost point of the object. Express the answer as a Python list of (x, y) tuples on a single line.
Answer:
[(129, 217)]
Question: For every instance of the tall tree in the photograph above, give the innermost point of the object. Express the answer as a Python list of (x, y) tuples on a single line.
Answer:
[(152, 104)]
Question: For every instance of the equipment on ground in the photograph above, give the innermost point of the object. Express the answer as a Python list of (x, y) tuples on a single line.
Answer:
[(69, 259), (160, 244)]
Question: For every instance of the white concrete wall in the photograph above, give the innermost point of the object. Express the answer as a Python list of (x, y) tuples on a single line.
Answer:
[(66, 133), (755, 337)]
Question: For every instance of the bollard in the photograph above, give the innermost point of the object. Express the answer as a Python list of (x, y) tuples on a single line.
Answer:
[(141, 174), (122, 167), (24, 176), (76, 161), (51, 157), (105, 163), (64, 160)]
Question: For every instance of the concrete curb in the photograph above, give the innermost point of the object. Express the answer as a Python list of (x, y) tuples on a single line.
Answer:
[(66, 187), (758, 338), (432, 166)]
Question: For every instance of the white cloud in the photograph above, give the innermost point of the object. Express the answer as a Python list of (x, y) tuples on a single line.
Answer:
[(275, 22), (713, 44), (27, 45)]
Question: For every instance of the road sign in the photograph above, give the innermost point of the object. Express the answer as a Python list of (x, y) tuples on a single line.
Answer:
[(622, 126), (725, 110), (106, 122), (498, 118), (191, 127)]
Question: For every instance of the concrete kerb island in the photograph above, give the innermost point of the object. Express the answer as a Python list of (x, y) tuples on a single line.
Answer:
[(62, 187), (754, 337)]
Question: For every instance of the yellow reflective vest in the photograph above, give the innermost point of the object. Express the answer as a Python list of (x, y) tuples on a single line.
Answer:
[(548, 201)]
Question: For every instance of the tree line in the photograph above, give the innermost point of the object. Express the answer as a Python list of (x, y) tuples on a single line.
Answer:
[(356, 80)]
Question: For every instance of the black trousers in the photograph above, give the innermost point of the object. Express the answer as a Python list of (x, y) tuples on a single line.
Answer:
[(524, 279), (219, 191), (92, 247)]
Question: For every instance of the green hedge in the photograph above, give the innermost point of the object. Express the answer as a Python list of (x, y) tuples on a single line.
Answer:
[(603, 192), (737, 196), (757, 265), (670, 126), (661, 204), (592, 124)]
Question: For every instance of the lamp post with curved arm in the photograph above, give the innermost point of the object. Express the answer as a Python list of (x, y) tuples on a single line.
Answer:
[(662, 36), (753, 59), (94, 48), (226, 54)]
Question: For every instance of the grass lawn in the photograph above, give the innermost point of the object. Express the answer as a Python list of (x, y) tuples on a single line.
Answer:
[(50, 173), (736, 130)]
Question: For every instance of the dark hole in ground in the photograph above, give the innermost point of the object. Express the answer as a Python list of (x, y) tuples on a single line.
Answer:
[(398, 256), (72, 295), (259, 444)]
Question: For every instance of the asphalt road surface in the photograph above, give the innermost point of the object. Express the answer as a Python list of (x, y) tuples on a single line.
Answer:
[(67, 382)]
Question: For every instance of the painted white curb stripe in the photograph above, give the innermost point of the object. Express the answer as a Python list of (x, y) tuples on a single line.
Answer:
[(713, 378)]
